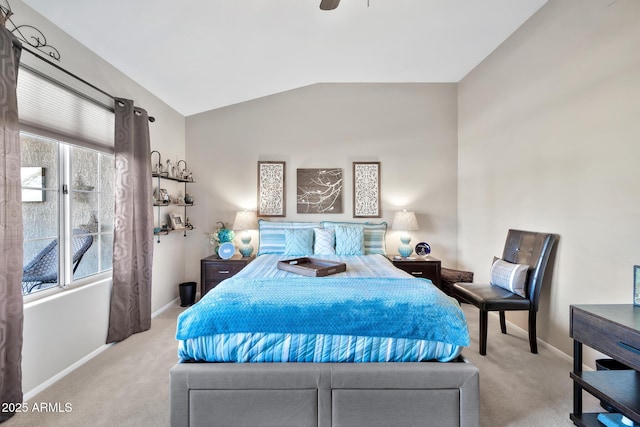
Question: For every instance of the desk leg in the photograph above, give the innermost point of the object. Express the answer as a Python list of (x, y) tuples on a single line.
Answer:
[(577, 367)]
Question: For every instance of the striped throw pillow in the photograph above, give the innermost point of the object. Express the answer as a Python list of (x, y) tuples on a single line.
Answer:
[(512, 277), (272, 237), (375, 240)]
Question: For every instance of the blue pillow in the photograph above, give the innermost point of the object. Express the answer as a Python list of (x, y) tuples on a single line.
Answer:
[(374, 235), (271, 233), (349, 240), (298, 242)]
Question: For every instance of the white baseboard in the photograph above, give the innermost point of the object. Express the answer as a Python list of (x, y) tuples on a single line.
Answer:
[(31, 393), (165, 308), (541, 343)]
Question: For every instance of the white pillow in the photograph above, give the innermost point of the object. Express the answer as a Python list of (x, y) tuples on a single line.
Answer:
[(512, 277), (325, 241)]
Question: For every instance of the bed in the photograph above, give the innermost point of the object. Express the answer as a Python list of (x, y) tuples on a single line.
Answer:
[(370, 346)]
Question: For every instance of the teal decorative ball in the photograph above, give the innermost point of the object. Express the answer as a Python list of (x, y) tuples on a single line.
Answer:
[(225, 235)]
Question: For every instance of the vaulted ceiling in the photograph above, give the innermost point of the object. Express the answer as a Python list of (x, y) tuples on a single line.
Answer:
[(197, 55)]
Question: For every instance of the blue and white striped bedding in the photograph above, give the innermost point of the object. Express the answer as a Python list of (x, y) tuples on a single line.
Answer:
[(366, 325)]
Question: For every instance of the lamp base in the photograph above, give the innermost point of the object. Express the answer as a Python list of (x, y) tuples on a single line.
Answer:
[(405, 250), (246, 250)]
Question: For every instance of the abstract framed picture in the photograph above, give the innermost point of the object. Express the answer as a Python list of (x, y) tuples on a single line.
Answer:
[(366, 190), (271, 189), (636, 285), (319, 191)]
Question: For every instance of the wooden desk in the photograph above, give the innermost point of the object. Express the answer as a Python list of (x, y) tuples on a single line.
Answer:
[(612, 329)]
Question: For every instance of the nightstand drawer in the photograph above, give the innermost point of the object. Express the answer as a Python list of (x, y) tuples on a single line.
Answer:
[(426, 268), (219, 272), (606, 336), (420, 269)]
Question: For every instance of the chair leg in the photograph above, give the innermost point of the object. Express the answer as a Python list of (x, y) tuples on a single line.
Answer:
[(533, 341), (483, 331), (503, 323)]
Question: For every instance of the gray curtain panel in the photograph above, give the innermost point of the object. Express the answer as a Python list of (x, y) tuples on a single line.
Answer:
[(11, 310), (130, 310)]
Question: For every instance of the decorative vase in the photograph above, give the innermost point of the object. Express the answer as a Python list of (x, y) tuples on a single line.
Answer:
[(225, 235), (188, 199)]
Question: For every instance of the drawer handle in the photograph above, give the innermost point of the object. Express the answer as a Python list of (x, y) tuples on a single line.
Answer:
[(223, 271), (417, 273), (628, 347)]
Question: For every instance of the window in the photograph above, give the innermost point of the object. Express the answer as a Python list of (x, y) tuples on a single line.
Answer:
[(68, 209)]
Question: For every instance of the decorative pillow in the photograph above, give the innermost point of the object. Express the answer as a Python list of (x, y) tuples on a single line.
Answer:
[(271, 234), (512, 277), (374, 235), (298, 241), (325, 241), (349, 240)]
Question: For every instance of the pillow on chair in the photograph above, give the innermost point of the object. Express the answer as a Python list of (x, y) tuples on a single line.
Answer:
[(512, 277)]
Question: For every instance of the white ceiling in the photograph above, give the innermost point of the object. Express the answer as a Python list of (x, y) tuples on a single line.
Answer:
[(197, 55)]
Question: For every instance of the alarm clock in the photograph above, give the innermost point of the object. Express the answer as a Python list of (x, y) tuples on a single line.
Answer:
[(226, 250)]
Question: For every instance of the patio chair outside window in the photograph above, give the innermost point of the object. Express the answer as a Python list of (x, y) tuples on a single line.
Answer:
[(42, 271)]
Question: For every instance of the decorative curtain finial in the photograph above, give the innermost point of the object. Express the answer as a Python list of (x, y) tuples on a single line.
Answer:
[(4, 16)]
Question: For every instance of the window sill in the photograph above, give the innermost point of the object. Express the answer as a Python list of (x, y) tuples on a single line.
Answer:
[(59, 291)]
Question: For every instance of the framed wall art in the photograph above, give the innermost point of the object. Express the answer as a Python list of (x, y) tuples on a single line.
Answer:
[(366, 190), (319, 190), (636, 285), (271, 189)]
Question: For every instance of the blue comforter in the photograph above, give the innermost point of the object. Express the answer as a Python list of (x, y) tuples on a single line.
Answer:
[(380, 307)]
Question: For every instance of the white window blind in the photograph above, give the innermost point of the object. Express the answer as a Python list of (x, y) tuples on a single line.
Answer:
[(60, 112)]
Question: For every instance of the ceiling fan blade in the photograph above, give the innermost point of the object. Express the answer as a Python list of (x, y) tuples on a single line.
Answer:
[(329, 4)]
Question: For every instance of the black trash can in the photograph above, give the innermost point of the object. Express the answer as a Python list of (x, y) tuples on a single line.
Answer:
[(187, 294), (609, 365)]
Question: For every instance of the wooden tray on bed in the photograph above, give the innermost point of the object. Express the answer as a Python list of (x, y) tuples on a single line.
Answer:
[(312, 267)]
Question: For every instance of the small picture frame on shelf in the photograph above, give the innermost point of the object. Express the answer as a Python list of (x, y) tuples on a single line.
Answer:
[(636, 285), (177, 221), (161, 196)]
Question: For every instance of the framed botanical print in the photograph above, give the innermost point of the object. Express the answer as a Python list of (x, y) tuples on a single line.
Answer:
[(271, 189), (319, 190), (366, 190)]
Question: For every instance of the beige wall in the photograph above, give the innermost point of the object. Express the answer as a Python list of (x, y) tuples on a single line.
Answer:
[(409, 128), (71, 326), (549, 140)]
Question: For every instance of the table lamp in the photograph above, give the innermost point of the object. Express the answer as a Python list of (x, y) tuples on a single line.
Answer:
[(245, 221), (405, 221)]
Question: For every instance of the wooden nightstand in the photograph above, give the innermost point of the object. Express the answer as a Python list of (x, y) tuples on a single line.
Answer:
[(427, 267), (214, 270)]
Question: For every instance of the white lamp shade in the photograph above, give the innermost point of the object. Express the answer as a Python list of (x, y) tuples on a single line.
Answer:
[(405, 221), (245, 220)]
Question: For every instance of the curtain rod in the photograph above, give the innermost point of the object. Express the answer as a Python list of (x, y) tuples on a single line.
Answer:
[(151, 118)]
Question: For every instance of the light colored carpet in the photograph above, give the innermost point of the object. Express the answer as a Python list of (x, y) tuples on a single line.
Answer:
[(128, 384)]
